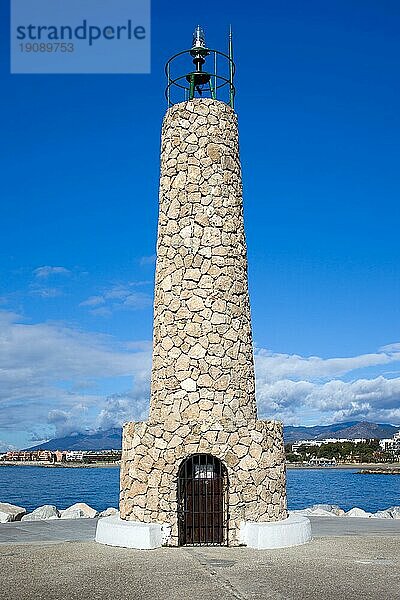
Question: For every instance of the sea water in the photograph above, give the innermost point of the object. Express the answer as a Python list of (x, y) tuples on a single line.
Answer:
[(31, 487)]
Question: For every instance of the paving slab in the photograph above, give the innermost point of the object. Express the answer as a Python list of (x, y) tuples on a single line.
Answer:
[(344, 568), (26, 532), (339, 526)]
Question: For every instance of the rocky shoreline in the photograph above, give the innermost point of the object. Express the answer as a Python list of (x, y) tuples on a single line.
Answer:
[(333, 510), (81, 510), (378, 468), (364, 468), (49, 512), (75, 465), (395, 471)]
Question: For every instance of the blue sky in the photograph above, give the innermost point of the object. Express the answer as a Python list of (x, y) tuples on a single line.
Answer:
[(317, 99)]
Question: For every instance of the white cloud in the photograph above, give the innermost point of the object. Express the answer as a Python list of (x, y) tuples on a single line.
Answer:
[(93, 301), (101, 311), (6, 447), (148, 260), (295, 388), (47, 271), (41, 365), (279, 366), (137, 300), (391, 347), (39, 286), (128, 406), (52, 378), (118, 297), (45, 292)]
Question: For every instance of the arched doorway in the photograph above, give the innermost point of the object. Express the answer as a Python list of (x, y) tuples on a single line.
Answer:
[(202, 501)]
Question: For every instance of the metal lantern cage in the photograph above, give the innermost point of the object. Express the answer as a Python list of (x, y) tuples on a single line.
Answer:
[(216, 84)]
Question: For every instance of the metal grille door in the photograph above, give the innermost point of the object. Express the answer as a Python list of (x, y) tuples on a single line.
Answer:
[(202, 501)]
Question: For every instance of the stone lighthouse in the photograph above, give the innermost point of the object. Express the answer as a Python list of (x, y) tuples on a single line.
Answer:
[(203, 469)]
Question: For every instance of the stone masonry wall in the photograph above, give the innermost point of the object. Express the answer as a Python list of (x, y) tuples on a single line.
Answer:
[(202, 346), (252, 452), (203, 385)]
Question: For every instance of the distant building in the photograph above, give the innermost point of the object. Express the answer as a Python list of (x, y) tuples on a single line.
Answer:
[(74, 455), (90, 456), (322, 462), (319, 443), (28, 456), (391, 445), (102, 455), (59, 456), (18, 455)]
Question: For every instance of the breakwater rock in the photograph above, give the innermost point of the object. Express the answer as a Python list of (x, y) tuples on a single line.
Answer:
[(333, 510), (383, 471), (47, 512), (10, 512)]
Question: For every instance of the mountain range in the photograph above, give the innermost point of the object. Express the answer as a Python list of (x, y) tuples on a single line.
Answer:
[(350, 430), (110, 439)]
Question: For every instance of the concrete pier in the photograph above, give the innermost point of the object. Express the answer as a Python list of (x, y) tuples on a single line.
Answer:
[(347, 559)]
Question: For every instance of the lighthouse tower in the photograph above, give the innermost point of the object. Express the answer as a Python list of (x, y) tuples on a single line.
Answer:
[(203, 469)]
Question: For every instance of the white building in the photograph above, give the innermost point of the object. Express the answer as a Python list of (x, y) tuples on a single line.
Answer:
[(391, 445), (319, 443), (74, 455), (322, 462)]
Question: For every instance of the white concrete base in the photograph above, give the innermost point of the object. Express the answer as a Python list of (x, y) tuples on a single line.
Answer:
[(293, 531), (113, 531)]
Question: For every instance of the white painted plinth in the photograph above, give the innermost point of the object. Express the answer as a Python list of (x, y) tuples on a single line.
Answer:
[(293, 531), (113, 531)]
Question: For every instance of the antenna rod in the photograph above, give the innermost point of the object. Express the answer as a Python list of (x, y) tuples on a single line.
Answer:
[(231, 94)]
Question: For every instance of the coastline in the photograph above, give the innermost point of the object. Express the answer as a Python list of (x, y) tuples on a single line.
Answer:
[(378, 468), (95, 465), (384, 468)]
